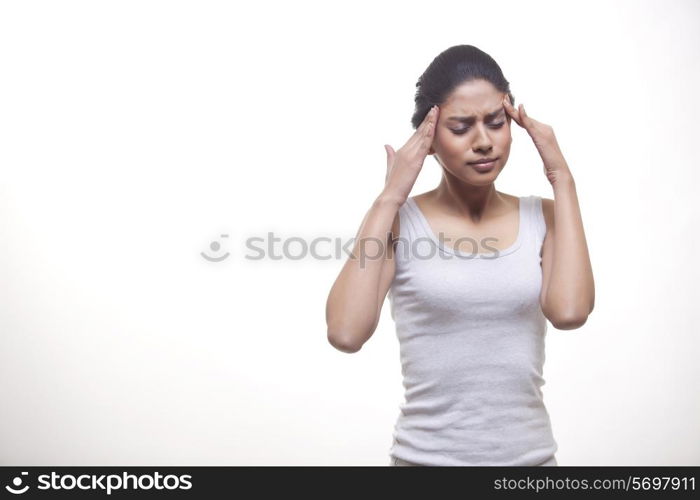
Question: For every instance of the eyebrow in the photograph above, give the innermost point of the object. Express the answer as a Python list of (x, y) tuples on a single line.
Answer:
[(471, 119)]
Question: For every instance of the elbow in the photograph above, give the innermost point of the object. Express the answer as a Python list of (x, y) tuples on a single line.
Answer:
[(567, 316), (349, 337), (569, 322), (343, 343)]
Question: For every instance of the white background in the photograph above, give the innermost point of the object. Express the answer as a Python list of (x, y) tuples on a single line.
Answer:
[(135, 133)]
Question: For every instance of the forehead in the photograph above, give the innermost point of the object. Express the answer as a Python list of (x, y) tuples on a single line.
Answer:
[(477, 97)]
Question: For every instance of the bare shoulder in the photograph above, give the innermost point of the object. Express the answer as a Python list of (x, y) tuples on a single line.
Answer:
[(548, 211), (424, 199), (513, 201), (425, 204)]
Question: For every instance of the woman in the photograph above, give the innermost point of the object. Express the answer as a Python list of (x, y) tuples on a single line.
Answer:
[(470, 315)]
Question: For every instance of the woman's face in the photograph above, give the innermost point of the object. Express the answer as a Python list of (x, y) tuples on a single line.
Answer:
[(473, 125)]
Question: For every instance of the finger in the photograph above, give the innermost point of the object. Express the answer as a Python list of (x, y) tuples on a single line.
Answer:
[(429, 134), (389, 160), (528, 122), (511, 110), (429, 130), (389, 155), (507, 105), (526, 117), (429, 120), (423, 128), (424, 140), (521, 111)]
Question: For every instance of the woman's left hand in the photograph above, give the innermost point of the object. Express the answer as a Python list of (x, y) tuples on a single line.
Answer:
[(555, 166)]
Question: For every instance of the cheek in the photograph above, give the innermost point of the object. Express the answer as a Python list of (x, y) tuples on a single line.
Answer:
[(505, 138), (455, 145), (448, 142)]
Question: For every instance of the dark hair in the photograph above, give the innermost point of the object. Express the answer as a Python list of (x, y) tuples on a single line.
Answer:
[(450, 69)]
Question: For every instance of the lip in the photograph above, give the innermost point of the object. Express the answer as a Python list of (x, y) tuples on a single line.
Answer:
[(482, 166)]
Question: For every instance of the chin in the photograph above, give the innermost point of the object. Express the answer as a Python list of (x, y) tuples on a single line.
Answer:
[(474, 176), (484, 180)]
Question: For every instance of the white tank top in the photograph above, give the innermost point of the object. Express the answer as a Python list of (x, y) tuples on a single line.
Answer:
[(471, 334)]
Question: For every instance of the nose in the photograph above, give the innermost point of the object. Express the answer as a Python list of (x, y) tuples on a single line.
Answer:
[(482, 141)]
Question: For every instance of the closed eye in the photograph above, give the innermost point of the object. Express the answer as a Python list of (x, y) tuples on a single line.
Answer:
[(465, 130)]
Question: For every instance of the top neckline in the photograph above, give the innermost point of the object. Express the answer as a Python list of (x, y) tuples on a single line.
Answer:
[(488, 256)]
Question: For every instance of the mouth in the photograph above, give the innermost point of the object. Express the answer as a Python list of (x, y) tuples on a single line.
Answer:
[(483, 165)]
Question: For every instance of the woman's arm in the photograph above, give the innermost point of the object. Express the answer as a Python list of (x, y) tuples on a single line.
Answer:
[(355, 301), (568, 292), (356, 298)]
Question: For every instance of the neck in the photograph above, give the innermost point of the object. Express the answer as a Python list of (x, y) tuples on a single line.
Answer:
[(468, 200)]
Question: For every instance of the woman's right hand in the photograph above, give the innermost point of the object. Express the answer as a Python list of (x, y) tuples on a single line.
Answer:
[(404, 165)]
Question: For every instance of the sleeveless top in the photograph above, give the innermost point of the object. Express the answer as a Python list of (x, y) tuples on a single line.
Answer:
[(471, 333)]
